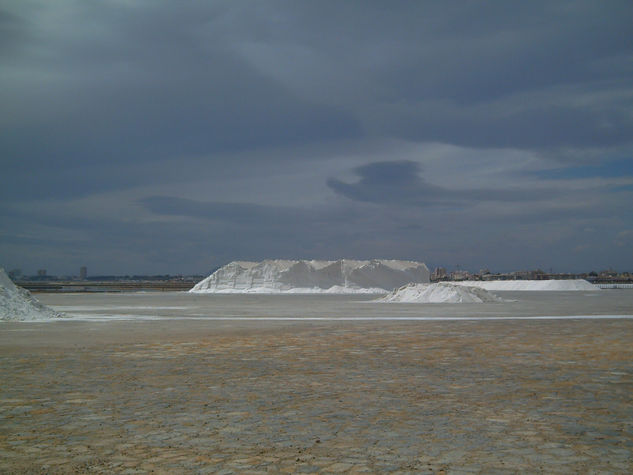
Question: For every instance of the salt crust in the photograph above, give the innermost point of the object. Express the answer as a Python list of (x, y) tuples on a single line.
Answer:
[(17, 304), (531, 285), (344, 276), (442, 292)]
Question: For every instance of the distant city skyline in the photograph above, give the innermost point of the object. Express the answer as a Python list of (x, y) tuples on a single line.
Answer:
[(144, 137), (437, 272)]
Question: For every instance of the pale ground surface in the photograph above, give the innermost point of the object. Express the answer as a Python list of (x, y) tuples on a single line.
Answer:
[(226, 396)]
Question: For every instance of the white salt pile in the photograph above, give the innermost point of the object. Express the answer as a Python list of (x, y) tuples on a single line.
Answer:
[(300, 276), (442, 292), (531, 285), (17, 304)]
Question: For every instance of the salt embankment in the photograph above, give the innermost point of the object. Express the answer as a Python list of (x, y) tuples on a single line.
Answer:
[(17, 304), (531, 285), (441, 292), (343, 276)]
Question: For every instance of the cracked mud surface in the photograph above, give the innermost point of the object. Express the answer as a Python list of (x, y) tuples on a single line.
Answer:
[(340, 397)]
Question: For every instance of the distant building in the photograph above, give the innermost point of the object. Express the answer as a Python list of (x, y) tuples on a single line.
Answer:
[(83, 272), (537, 274), (608, 273), (439, 274), (461, 275), (41, 272)]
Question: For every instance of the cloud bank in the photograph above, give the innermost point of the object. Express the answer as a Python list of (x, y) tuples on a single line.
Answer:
[(142, 136)]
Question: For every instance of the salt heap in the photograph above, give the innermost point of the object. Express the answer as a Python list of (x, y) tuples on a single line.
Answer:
[(531, 285), (301, 276), (17, 304), (442, 292)]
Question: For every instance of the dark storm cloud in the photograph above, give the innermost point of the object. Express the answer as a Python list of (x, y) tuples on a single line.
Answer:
[(390, 182), (401, 183), (145, 85), (154, 79), (478, 74)]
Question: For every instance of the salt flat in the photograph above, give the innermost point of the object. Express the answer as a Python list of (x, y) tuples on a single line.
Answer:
[(105, 391), (182, 305)]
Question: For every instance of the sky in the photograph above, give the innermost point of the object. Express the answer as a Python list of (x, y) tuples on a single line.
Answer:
[(154, 137)]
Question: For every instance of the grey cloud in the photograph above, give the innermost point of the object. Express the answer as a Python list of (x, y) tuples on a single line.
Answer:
[(184, 235), (399, 182), (11, 27), (453, 72), (260, 220), (141, 87), (250, 214), (173, 98), (390, 182), (542, 127), (189, 236), (156, 79)]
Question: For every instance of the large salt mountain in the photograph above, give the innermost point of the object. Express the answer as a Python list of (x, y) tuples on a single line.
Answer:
[(17, 304), (301, 276)]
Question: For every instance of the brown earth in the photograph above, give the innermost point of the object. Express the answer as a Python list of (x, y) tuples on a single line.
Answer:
[(534, 396)]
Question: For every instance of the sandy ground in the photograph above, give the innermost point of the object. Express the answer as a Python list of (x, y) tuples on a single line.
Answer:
[(197, 396)]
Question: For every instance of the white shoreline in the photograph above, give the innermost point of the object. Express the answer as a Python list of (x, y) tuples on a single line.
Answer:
[(108, 317)]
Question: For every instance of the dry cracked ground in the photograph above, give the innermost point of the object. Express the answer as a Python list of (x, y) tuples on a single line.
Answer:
[(408, 397)]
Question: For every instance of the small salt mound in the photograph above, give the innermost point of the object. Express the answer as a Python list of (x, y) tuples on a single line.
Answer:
[(442, 292), (531, 285), (17, 304)]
